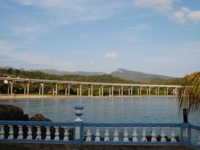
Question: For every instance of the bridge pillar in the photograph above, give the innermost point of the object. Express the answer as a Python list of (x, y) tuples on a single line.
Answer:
[(149, 90), (8, 90), (56, 89), (119, 91), (11, 87), (68, 89), (140, 90), (88, 91), (77, 91), (99, 91), (158, 91), (41, 89), (102, 90), (112, 90), (80, 92), (122, 91), (155, 91), (28, 88), (24, 85), (65, 91), (91, 90), (167, 92), (131, 90)]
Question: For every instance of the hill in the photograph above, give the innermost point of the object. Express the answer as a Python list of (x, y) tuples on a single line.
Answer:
[(138, 76)]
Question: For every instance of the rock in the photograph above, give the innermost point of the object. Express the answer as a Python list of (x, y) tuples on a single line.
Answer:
[(39, 117), (10, 112)]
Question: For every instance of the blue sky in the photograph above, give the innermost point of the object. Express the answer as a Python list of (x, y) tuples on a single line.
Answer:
[(150, 36)]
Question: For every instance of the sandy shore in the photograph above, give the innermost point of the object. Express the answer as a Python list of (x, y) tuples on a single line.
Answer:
[(30, 96)]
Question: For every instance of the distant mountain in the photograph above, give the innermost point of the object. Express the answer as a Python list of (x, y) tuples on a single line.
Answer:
[(138, 76), (84, 73), (7, 67)]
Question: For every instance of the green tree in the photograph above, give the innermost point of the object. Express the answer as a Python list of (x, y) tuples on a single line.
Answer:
[(191, 88)]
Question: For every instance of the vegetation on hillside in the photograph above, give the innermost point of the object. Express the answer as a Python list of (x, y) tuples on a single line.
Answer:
[(40, 75), (175, 81)]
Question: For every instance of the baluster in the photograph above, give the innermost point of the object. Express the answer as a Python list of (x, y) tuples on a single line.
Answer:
[(66, 134), (2, 132), (144, 139), (198, 143), (153, 134), (29, 137), (162, 134), (48, 133), (88, 134), (173, 134), (185, 134), (106, 134), (38, 137), (20, 136), (135, 139), (125, 134), (11, 132), (116, 135), (97, 138), (56, 138)]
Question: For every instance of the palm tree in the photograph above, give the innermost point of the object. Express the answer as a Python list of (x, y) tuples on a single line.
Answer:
[(191, 97)]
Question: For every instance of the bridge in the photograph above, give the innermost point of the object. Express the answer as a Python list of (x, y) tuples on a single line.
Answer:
[(91, 85)]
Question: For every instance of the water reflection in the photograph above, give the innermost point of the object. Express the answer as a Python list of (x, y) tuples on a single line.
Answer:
[(119, 109)]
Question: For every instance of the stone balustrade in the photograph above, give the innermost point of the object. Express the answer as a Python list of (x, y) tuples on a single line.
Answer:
[(79, 132)]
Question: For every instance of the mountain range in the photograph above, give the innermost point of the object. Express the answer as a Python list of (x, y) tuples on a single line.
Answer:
[(122, 73)]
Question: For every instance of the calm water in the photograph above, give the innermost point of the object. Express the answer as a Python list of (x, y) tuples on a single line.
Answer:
[(127, 109)]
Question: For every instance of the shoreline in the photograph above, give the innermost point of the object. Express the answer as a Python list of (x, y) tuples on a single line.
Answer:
[(21, 96)]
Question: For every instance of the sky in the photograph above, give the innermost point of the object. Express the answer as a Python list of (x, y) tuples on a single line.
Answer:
[(150, 36)]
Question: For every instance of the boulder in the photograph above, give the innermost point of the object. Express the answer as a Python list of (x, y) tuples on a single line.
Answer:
[(39, 117), (10, 112)]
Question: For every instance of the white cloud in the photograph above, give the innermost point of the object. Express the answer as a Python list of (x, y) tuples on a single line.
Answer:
[(129, 33), (111, 55), (70, 11), (166, 7), (186, 14), (139, 27), (19, 30), (8, 50), (161, 6), (179, 17), (91, 63), (194, 16)]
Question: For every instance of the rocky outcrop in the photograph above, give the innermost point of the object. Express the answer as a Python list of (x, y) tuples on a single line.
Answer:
[(39, 117), (10, 112)]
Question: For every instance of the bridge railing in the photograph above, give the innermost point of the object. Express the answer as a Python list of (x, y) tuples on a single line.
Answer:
[(79, 132)]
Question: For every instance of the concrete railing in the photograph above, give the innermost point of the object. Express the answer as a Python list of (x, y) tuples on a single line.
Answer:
[(79, 132)]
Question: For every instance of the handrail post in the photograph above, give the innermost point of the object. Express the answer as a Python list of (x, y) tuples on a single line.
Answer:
[(78, 126), (185, 129)]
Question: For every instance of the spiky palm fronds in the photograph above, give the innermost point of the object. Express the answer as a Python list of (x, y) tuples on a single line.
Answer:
[(191, 86)]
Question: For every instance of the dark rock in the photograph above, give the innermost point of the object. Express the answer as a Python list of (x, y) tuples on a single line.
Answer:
[(39, 117), (10, 112)]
